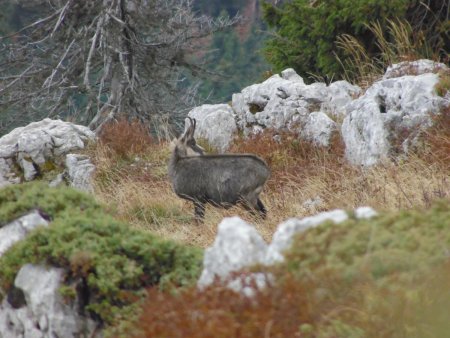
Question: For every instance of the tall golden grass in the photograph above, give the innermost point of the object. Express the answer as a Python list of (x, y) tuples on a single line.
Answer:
[(400, 43)]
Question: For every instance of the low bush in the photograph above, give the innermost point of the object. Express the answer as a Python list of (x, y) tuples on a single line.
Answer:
[(17, 200), (125, 137), (105, 260), (399, 243)]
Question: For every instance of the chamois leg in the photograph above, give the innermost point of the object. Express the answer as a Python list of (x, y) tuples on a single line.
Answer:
[(254, 205), (261, 208), (199, 209)]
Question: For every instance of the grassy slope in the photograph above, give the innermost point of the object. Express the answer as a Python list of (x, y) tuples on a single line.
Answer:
[(131, 181), (135, 185), (381, 278)]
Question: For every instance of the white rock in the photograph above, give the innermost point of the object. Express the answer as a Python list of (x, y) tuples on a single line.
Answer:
[(254, 99), (318, 129), (29, 171), (389, 107), (237, 245), (19, 228), (216, 124), (340, 93), (291, 75), (417, 67), (282, 238), (7, 176), (365, 212), (80, 171), (58, 180), (45, 314), (38, 142), (286, 103)]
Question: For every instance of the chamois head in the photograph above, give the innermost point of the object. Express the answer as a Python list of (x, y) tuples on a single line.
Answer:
[(186, 145)]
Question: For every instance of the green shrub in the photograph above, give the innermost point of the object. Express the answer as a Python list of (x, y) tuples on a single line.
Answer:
[(404, 243), (113, 262), (305, 32), (17, 200)]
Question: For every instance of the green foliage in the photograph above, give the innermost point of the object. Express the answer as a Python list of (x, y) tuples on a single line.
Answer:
[(115, 262), (404, 243), (16, 200), (306, 32)]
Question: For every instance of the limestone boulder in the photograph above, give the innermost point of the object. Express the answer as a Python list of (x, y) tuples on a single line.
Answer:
[(237, 245), (29, 152), (216, 124), (285, 103), (80, 171), (388, 118), (35, 307)]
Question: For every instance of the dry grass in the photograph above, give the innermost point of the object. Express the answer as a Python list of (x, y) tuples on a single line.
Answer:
[(133, 182)]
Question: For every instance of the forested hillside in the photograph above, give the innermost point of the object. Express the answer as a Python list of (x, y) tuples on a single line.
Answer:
[(236, 59)]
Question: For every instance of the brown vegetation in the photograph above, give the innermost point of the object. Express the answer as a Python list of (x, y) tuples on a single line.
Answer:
[(326, 306), (125, 138)]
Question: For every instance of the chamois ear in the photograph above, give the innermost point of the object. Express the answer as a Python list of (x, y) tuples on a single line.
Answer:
[(192, 127), (187, 132)]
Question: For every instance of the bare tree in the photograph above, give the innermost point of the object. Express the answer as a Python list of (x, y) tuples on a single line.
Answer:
[(91, 60)]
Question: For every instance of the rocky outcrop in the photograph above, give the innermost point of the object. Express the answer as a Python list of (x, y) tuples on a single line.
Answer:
[(281, 103), (381, 124), (33, 151), (387, 119), (79, 171), (286, 103), (238, 246), (282, 238), (35, 308)]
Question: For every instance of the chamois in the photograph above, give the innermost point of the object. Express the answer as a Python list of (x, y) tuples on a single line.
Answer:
[(221, 180)]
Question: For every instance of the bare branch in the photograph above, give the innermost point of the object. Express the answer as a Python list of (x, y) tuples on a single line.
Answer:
[(61, 17), (91, 52), (48, 82)]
